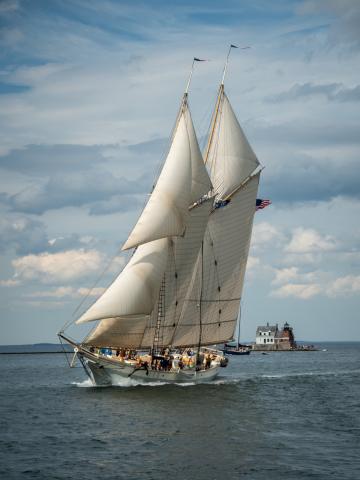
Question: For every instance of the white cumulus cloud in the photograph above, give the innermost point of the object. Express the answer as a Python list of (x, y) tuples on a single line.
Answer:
[(57, 267), (344, 286), (264, 233), (298, 290), (252, 262), (63, 292), (309, 241), (285, 275)]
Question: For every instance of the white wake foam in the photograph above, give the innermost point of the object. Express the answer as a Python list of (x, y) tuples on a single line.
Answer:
[(130, 383)]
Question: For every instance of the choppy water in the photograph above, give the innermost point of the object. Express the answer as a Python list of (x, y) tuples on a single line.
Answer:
[(290, 415)]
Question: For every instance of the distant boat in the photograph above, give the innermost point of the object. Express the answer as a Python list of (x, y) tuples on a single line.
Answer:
[(233, 348), (180, 292), (236, 349)]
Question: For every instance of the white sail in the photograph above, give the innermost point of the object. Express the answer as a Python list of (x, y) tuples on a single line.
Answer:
[(219, 275), (135, 290), (230, 157), (165, 213)]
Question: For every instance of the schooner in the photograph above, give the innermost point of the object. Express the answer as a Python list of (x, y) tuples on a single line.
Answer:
[(180, 292)]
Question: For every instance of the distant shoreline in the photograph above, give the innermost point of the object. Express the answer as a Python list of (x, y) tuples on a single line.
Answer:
[(34, 353), (34, 348)]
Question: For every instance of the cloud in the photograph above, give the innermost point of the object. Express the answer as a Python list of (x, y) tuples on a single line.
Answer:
[(344, 286), (292, 282), (57, 267), (265, 233), (44, 304), (25, 235), (41, 160), (63, 292), (22, 234), (310, 241), (252, 262), (70, 242), (117, 203), (344, 19), (75, 190), (307, 179), (285, 275), (303, 131), (8, 6), (335, 92), (303, 291), (10, 283)]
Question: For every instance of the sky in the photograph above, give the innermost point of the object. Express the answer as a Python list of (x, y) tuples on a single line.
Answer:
[(89, 91)]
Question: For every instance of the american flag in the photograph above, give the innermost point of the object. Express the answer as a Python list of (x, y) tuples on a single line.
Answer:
[(260, 203)]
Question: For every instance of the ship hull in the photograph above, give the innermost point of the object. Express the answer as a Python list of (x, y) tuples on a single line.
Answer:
[(107, 373)]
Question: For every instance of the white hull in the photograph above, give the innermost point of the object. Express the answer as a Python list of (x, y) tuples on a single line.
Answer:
[(103, 372)]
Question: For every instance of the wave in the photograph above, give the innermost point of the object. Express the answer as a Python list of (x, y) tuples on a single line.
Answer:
[(333, 373), (130, 383), (227, 380)]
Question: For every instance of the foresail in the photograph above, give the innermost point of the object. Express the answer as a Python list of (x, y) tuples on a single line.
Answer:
[(230, 157), (165, 213), (135, 290), (219, 276)]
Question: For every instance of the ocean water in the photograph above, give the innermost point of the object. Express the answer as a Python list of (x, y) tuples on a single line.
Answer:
[(288, 415)]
